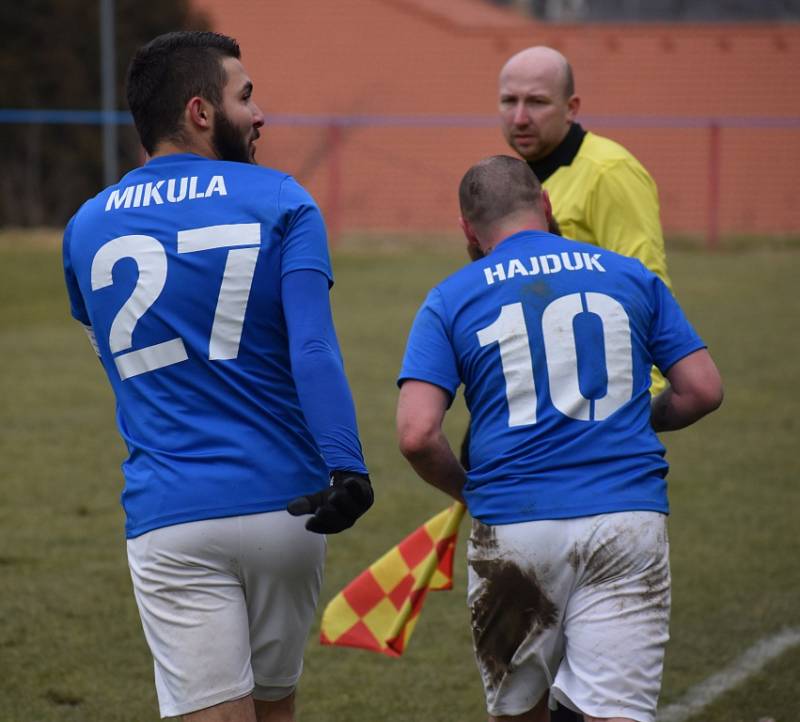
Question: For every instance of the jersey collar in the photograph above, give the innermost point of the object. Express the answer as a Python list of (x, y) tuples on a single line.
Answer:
[(174, 158), (521, 236), (564, 154)]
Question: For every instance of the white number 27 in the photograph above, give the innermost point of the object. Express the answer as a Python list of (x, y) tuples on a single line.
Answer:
[(243, 240), (511, 334)]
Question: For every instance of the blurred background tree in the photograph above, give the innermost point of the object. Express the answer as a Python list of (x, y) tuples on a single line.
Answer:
[(50, 59)]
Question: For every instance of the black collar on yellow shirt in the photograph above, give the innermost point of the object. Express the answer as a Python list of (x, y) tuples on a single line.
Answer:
[(563, 154)]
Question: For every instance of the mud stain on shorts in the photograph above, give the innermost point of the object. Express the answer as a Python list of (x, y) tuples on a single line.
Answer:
[(657, 581), (656, 591), (619, 559), (483, 537), (574, 558), (511, 607), (612, 558)]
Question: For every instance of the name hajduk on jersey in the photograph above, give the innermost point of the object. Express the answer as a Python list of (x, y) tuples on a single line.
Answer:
[(544, 264), (169, 190)]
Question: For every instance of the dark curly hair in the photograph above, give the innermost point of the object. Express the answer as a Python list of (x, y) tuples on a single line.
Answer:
[(169, 70)]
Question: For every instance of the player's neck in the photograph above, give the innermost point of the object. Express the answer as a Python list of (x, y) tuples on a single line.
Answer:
[(505, 230), (197, 147)]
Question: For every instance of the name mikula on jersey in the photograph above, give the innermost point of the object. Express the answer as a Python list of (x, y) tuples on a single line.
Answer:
[(168, 190), (545, 264)]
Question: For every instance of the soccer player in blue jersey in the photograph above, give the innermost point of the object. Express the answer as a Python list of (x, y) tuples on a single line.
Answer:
[(553, 340), (202, 280)]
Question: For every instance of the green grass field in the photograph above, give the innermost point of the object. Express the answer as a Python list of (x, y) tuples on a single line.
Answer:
[(71, 647)]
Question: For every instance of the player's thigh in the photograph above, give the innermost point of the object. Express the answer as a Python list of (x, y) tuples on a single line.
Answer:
[(617, 619), (282, 566), (519, 579), (192, 606)]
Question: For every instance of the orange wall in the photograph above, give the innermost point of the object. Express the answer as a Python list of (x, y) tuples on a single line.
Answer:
[(441, 57)]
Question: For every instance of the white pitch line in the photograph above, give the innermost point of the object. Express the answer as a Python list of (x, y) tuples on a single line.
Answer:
[(701, 695)]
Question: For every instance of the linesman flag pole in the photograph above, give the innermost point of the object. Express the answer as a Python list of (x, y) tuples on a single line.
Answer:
[(378, 610)]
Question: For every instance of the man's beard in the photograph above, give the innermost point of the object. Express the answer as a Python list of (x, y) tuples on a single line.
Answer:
[(228, 142)]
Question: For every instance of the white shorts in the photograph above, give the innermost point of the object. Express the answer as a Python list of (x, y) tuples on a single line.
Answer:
[(226, 606), (577, 606)]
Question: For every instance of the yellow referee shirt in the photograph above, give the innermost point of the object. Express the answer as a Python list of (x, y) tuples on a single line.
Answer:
[(602, 195)]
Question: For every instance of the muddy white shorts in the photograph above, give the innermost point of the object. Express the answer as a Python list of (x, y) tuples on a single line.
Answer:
[(226, 606), (576, 606)]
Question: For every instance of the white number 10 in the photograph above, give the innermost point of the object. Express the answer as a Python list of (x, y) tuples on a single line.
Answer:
[(511, 334), (243, 240)]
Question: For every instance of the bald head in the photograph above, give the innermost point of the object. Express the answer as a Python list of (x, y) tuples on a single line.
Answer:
[(537, 101), (543, 62), (500, 193)]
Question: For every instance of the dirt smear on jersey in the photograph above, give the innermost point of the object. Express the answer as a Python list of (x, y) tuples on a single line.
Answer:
[(511, 607), (540, 288)]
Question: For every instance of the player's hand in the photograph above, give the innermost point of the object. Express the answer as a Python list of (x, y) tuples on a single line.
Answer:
[(336, 508)]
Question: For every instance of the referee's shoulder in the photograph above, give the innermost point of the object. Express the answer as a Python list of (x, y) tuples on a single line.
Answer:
[(605, 152)]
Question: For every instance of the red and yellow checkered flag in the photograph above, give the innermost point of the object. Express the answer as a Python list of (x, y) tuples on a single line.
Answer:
[(379, 608)]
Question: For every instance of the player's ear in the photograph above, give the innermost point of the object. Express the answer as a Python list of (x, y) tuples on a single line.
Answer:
[(466, 228), (474, 250), (573, 106), (547, 207), (199, 112)]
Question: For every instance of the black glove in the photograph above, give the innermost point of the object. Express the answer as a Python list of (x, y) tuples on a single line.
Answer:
[(337, 507)]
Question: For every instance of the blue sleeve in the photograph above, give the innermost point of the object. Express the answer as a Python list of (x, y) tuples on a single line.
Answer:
[(671, 335), (76, 302), (429, 353), (318, 370), (305, 240)]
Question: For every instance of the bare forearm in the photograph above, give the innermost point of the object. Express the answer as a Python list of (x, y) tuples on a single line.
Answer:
[(662, 413), (670, 411), (420, 412), (695, 390), (436, 464)]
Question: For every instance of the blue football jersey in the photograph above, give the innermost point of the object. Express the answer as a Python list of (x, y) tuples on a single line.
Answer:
[(554, 341), (177, 270)]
